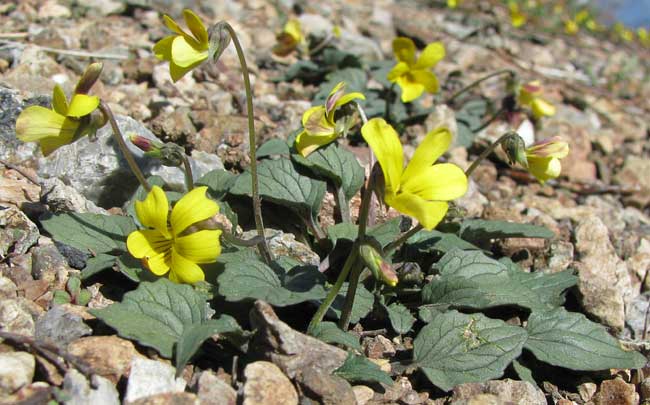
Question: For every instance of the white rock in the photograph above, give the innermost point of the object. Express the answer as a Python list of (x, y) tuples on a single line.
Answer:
[(16, 370), (149, 377), (80, 392)]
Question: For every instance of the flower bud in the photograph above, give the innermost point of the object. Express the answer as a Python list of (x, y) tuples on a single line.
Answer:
[(219, 39), (89, 78), (381, 269), (515, 149), (150, 147), (172, 155)]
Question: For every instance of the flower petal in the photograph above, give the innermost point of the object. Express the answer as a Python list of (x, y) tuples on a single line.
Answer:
[(542, 108), (384, 142), (544, 168), (307, 143), (294, 30), (410, 88), (441, 182), (163, 48), (432, 147), (199, 247), (36, 122), (153, 211), (432, 54), (426, 79), (59, 100), (552, 147), (151, 246), (49, 145), (316, 123), (82, 104), (192, 208), (184, 270), (428, 213), (176, 72), (336, 93), (173, 25), (397, 71), (197, 27), (184, 54), (346, 98), (404, 50)]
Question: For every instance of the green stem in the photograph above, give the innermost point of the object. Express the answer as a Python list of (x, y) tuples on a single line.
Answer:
[(477, 82), (257, 202), (402, 238), (486, 152), (344, 207), (346, 312), (189, 177), (117, 135), (334, 291)]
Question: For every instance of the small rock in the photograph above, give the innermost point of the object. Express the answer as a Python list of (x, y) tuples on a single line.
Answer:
[(60, 327), (170, 398), (473, 202), (17, 232), (644, 389), (639, 264), (363, 394), (617, 392), (506, 391), (109, 356), (7, 288), (325, 389), (35, 393), (52, 9), (48, 264), (379, 347), (285, 244), (76, 258), (214, 391), (16, 371), (560, 256), (400, 391), (80, 392), (175, 126), (635, 316), (150, 377), (604, 283), (15, 318), (266, 385), (587, 391), (61, 198), (17, 190), (633, 176)]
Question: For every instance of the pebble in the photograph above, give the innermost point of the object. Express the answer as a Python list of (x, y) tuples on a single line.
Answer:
[(150, 377), (16, 371), (267, 385)]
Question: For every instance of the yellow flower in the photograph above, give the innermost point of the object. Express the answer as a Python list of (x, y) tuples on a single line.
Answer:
[(571, 27), (320, 126), (422, 188), (544, 158), (453, 3), (517, 18), (166, 246), (289, 39), (63, 124), (413, 76), (529, 95), (183, 51), (644, 36)]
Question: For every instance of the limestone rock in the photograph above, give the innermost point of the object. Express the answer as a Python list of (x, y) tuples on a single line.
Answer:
[(267, 385), (16, 371)]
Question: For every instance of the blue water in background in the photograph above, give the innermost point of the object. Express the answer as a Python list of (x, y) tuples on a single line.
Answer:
[(633, 13)]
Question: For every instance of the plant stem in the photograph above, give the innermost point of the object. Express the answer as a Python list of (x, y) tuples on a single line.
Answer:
[(257, 203), (493, 118), (331, 296), (344, 208), (402, 238), (189, 177), (117, 135), (477, 82), (486, 152)]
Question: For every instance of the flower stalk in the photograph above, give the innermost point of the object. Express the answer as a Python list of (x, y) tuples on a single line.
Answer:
[(117, 134), (475, 83), (487, 151)]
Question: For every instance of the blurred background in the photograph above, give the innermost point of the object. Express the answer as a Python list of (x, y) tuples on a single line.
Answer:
[(633, 13)]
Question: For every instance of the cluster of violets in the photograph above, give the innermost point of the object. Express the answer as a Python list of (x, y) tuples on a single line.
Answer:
[(176, 240)]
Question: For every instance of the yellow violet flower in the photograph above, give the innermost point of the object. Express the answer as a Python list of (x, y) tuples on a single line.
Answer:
[(166, 246), (644, 36), (517, 18), (544, 158), (183, 51), (320, 127), (529, 95), (289, 39), (63, 124), (413, 75), (571, 27), (453, 3), (422, 189)]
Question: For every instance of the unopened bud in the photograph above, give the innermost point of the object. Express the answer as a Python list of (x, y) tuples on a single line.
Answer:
[(219, 40), (89, 78), (381, 269), (172, 155), (150, 147), (515, 148)]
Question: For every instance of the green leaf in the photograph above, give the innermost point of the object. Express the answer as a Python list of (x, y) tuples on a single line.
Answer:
[(455, 348), (400, 318), (337, 164), (384, 233), (524, 373), (218, 182), (302, 69), (570, 340), (156, 314), (471, 279), (359, 369), (275, 146), (133, 270), (426, 242), (426, 313), (97, 264), (194, 335), (282, 184), (90, 232), (476, 230), (252, 279), (363, 302), (328, 332)]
